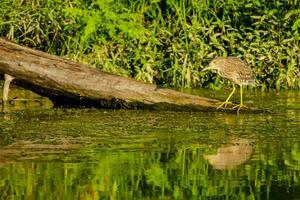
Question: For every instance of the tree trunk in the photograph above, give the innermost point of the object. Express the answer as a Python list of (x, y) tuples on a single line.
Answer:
[(63, 78)]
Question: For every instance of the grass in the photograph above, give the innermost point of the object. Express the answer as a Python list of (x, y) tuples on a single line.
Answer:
[(166, 42)]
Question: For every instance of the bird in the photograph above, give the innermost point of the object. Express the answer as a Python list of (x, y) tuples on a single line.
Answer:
[(235, 70)]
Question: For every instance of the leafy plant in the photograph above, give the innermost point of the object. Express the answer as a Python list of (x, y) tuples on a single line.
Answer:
[(166, 42)]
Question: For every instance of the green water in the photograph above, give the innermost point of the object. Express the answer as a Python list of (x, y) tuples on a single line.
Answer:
[(130, 154)]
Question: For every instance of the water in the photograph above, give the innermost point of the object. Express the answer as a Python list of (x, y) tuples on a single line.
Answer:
[(130, 154)]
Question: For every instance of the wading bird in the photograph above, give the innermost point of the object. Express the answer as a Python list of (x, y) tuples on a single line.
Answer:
[(235, 70)]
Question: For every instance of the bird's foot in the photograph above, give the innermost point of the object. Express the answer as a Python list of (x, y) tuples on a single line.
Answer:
[(239, 106), (223, 104)]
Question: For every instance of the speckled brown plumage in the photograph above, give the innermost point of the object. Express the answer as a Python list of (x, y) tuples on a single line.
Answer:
[(233, 69)]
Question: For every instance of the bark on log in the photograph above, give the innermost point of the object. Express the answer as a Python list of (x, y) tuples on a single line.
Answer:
[(64, 78)]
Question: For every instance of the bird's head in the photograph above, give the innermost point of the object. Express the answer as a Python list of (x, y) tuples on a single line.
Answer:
[(214, 64)]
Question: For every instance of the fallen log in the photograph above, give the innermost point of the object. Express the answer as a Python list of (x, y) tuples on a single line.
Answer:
[(65, 79)]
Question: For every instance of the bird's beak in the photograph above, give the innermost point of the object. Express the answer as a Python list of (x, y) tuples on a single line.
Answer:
[(209, 67)]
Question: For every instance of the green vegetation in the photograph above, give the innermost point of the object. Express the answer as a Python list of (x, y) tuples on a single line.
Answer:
[(166, 42)]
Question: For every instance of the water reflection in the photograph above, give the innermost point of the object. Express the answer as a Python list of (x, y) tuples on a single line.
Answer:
[(154, 173), (103, 154), (237, 152)]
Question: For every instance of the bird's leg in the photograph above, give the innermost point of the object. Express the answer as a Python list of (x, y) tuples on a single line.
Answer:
[(7, 79), (241, 101), (228, 98), (241, 93)]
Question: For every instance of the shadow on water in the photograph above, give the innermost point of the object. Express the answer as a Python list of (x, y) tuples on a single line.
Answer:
[(132, 154)]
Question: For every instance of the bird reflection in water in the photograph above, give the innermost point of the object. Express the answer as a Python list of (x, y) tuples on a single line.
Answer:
[(231, 155)]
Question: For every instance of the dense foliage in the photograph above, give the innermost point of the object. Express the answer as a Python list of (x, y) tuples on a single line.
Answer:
[(166, 42)]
